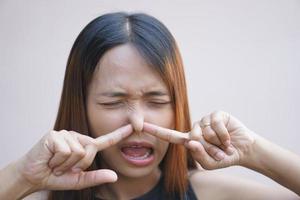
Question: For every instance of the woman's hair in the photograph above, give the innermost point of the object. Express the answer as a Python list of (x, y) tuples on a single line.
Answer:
[(158, 47)]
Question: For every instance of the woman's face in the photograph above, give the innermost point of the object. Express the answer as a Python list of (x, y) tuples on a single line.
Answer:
[(125, 90)]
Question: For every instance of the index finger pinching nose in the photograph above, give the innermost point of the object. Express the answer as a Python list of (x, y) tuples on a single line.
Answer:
[(169, 135), (114, 137)]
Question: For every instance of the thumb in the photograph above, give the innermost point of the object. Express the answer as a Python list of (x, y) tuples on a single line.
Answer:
[(84, 179), (200, 155)]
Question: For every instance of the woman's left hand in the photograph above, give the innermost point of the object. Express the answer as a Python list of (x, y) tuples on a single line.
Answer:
[(218, 140)]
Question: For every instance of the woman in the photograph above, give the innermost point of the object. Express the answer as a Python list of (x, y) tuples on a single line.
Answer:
[(123, 129)]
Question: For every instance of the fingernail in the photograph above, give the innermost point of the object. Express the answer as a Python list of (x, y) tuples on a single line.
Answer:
[(58, 173), (230, 150), (220, 155)]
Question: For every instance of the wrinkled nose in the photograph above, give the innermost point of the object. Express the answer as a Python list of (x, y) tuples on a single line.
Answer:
[(137, 120)]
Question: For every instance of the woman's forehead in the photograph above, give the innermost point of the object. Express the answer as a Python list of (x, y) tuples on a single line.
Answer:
[(124, 68), (123, 59)]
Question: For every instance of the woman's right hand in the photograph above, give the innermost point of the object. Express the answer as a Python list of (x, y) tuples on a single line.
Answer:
[(58, 160)]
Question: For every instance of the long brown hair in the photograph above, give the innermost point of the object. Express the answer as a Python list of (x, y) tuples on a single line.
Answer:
[(156, 44)]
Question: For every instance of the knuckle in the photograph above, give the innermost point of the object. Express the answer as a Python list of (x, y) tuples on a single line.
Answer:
[(225, 115), (63, 131), (111, 141), (52, 134), (80, 153), (212, 150), (73, 132), (85, 163), (208, 135), (65, 153), (216, 122)]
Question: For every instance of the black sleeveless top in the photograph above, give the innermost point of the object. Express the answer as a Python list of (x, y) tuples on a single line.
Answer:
[(158, 193)]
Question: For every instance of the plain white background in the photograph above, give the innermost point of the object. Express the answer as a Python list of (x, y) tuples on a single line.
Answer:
[(240, 56)]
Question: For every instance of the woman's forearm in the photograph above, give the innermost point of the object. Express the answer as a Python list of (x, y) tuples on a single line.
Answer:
[(275, 162), (12, 185)]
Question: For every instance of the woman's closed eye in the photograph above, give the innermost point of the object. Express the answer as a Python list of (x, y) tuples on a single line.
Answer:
[(112, 104), (159, 103), (117, 104)]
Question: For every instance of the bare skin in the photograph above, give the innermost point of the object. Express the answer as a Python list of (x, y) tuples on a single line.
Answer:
[(57, 162), (249, 150), (125, 89), (128, 101), (220, 140)]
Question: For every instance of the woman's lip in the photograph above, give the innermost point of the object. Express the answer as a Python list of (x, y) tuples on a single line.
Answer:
[(143, 144), (139, 162), (137, 144)]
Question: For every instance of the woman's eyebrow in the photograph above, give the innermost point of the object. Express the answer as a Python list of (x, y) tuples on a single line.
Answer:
[(123, 94), (113, 94), (156, 93)]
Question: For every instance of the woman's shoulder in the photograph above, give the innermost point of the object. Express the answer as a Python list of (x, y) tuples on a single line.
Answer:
[(201, 177), (215, 184), (207, 184)]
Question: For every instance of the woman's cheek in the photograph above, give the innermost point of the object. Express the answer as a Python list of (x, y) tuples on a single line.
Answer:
[(161, 117), (106, 121)]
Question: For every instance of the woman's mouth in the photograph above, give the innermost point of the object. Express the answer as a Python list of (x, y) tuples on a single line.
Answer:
[(138, 154)]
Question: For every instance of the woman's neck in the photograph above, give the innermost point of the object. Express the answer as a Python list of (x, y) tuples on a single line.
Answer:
[(127, 187)]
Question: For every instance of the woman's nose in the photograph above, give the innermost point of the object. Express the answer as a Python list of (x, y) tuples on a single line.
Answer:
[(137, 120)]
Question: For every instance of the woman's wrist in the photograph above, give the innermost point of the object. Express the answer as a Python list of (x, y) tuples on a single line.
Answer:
[(13, 184), (274, 162), (253, 158)]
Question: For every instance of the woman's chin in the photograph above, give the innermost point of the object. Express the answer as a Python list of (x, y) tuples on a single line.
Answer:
[(136, 172)]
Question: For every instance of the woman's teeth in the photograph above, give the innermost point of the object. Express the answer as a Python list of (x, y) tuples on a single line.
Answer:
[(137, 152), (140, 157)]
